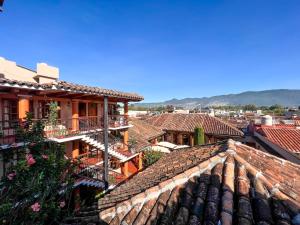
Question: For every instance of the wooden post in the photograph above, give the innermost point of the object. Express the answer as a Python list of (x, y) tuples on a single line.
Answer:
[(126, 135), (75, 152), (140, 161), (191, 140), (75, 116), (105, 133), (23, 106), (179, 139)]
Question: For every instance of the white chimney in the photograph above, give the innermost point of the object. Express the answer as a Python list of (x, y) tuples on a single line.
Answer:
[(46, 73)]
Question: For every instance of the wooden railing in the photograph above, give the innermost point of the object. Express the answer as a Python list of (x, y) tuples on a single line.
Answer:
[(97, 172), (8, 131), (69, 127), (62, 128), (115, 121)]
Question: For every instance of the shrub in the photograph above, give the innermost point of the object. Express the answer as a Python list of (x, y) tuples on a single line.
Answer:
[(151, 157), (37, 189), (199, 136)]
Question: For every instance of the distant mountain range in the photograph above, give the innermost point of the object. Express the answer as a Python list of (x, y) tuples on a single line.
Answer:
[(284, 97)]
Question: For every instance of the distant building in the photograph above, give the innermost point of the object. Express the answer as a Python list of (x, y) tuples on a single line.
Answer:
[(143, 135), (281, 139), (180, 128)]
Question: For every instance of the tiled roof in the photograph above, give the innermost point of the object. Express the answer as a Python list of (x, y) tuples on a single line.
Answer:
[(297, 122), (238, 123), (227, 183), (143, 132), (287, 138), (188, 122), (71, 87)]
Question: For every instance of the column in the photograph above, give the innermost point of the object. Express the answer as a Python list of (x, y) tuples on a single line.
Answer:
[(75, 152), (23, 106), (35, 109), (179, 139), (191, 140), (126, 136), (105, 133), (75, 116), (140, 161)]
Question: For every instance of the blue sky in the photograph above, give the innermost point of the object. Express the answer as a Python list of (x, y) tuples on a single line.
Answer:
[(160, 49)]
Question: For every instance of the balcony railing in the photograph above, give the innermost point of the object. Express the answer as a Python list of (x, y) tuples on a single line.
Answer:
[(8, 131), (62, 128), (115, 121), (83, 125), (91, 157), (97, 172)]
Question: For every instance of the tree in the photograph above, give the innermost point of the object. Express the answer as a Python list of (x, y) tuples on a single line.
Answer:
[(37, 189), (249, 107), (199, 136), (276, 106)]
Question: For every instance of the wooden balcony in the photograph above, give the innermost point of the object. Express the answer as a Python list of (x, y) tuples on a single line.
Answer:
[(117, 121), (63, 128)]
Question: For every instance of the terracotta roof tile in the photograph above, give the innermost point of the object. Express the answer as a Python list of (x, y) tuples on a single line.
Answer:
[(142, 132), (287, 138), (243, 186), (71, 87), (188, 122)]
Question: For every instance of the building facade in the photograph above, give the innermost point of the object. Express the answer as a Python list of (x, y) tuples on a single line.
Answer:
[(85, 114), (179, 128)]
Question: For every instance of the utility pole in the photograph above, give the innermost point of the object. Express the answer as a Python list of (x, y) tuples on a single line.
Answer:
[(105, 133)]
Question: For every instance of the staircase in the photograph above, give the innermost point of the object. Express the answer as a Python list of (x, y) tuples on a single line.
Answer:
[(97, 144), (87, 215)]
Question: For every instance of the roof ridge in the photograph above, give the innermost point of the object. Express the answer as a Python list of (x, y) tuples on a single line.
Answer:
[(167, 185)]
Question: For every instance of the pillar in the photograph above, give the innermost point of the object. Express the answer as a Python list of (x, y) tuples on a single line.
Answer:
[(124, 169), (75, 116), (191, 140), (75, 152), (35, 109), (23, 106), (140, 161), (105, 137), (126, 136), (179, 139)]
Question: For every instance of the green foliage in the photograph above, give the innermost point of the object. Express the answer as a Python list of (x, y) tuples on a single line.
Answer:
[(249, 107), (274, 107), (199, 136), (151, 157), (37, 189), (53, 113)]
